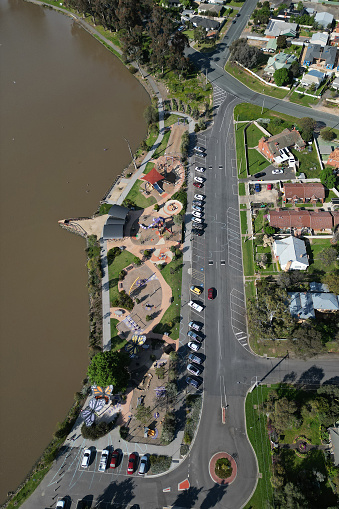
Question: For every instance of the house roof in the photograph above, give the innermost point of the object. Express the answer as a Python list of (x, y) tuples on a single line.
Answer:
[(313, 51), (335, 82), (325, 301), (279, 27), (153, 176), (271, 44), (301, 219), (212, 8), (287, 138), (335, 215), (305, 191), (316, 74), (333, 159), (319, 38), (318, 287), (301, 305), (334, 435), (118, 211), (210, 24), (323, 18), (280, 61), (329, 55), (292, 250)]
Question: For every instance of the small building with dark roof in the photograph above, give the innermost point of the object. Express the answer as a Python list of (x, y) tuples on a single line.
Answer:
[(207, 24), (114, 227)]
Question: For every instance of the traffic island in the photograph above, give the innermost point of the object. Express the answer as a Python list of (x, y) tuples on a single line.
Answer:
[(218, 467)]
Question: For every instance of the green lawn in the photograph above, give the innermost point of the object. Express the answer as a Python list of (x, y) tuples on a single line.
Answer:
[(247, 254), (256, 162), (243, 220), (139, 200), (232, 3), (172, 119), (258, 436), (149, 167), (242, 190), (240, 147), (308, 161), (303, 100), (121, 261), (247, 111), (253, 135), (254, 83), (314, 251), (160, 151), (250, 290), (170, 322), (258, 223), (329, 195)]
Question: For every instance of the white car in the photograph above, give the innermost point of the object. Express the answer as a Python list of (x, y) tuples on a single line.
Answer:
[(196, 207), (194, 346), (195, 213), (200, 169), (60, 504), (199, 149), (86, 458), (199, 197), (195, 306), (277, 172), (191, 368), (199, 179), (196, 219), (103, 460)]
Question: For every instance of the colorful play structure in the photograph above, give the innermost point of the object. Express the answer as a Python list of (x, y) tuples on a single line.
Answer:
[(157, 222)]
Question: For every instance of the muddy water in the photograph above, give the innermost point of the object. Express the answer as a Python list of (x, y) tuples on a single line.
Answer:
[(64, 99)]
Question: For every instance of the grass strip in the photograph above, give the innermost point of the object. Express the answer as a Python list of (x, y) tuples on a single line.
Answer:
[(121, 261), (247, 255), (137, 198), (240, 148), (242, 191), (243, 221)]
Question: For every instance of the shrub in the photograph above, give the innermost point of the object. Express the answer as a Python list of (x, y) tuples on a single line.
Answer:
[(137, 260), (143, 414), (95, 431), (184, 449), (168, 429), (159, 464), (223, 468), (124, 430), (160, 372), (148, 318), (156, 207)]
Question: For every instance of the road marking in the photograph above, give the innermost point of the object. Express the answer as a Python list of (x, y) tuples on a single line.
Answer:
[(165, 490), (184, 485)]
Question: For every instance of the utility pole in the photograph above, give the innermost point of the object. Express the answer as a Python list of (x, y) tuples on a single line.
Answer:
[(132, 156), (263, 103)]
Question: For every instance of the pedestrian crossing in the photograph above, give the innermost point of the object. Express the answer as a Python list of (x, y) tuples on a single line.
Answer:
[(219, 95)]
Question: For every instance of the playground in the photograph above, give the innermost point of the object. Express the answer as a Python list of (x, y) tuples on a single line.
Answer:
[(165, 178), (153, 228)]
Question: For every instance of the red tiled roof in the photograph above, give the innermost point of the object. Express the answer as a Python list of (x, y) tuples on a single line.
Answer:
[(305, 191), (333, 158), (301, 219), (153, 176)]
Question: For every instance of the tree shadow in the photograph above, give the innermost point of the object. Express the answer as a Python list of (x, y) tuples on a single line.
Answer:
[(332, 381), (289, 377), (214, 496), (120, 493), (312, 376), (187, 498)]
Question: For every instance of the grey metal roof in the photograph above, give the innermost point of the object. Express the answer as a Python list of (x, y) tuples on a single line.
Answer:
[(115, 220), (210, 24), (325, 301), (301, 305), (324, 18), (292, 250), (118, 211), (318, 287), (113, 231), (313, 51), (334, 435)]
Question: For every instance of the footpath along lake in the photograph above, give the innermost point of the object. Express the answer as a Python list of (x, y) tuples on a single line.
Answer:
[(64, 99)]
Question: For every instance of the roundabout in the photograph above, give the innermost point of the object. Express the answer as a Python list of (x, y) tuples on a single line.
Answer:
[(214, 466)]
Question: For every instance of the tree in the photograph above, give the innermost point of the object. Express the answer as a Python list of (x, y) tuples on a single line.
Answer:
[(248, 56), (109, 368), (199, 34), (306, 341), (290, 497), (168, 428), (327, 134), (143, 414), (148, 318), (328, 178), (178, 219), (137, 260), (328, 255), (307, 126), (281, 41), (151, 115), (331, 279), (294, 70)]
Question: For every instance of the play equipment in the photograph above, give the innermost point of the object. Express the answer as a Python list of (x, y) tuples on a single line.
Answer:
[(140, 282), (155, 223)]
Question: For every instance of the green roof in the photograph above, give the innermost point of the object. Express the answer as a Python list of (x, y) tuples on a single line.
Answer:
[(272, 44)]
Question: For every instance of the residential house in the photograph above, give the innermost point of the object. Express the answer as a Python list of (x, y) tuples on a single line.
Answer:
[(319, 38), (306, 192), (333, 158), (335, 84), (187, 14), (324, 18), (313, 77), (212, 9), (334, 441), (172, 3), (304, 304), (321, 55), (278, 27), (279, 61), (299, 220), (219, 2), (271, 147), (208, 24), (291, 253), (271, 46)]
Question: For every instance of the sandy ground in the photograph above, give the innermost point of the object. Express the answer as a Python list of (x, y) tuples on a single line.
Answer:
[(173, 146)]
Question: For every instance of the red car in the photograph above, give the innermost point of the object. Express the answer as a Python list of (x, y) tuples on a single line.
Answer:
[(114, 459), (132, 463), (210, 294), (198, 184)]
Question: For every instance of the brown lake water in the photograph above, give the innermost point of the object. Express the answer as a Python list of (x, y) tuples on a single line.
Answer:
[(63, 99)]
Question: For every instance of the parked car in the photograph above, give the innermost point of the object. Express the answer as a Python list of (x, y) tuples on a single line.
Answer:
[(194, 336), (199, 149), (269, 187), (199, 197), (200, 169), (195, 213), (115, 459), (237, 15), (194, 346), (257, 188), (197, 219), (198, 203), (193, 357), (198, 184), (195, 370), (258, 175), (192, 381), (210, 294), (201, 180), (103, 460), (195, 305), (60, 504), (132, 463), (143, 467), (197, 208), (277, 171), (196, 289), (86, 458), (198, 232), (198, 226), (195, 326)]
